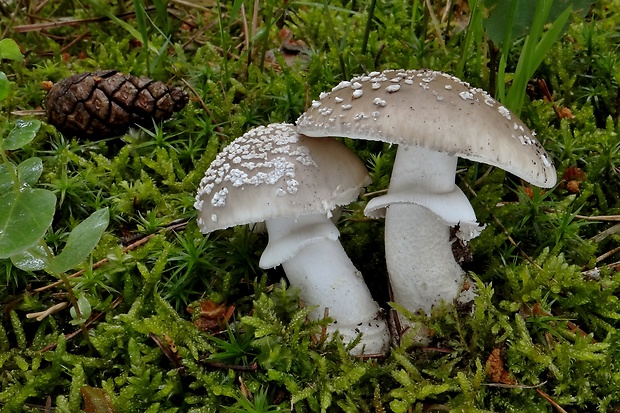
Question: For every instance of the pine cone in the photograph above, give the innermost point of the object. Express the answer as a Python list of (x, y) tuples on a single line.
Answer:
[(105, 103)]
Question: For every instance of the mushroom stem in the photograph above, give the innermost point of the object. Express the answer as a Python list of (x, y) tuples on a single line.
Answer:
[(419, 258), (326, 277), (422, 204)]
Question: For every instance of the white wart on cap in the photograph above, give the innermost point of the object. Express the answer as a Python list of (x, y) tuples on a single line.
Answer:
[(271, 172), (433, 110)]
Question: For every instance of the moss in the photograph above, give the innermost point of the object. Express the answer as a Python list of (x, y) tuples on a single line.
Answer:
[(547, 291)]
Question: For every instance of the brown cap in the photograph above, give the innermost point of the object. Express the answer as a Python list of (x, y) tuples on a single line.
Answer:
[(433, 110)]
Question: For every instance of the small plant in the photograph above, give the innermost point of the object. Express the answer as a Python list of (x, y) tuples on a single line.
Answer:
[(26, 213), (257, 403), (511, 24), (536, 46), (236, 349)]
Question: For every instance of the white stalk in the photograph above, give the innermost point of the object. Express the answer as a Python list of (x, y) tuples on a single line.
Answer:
[(422, 204), (323, 272), (419, 258)]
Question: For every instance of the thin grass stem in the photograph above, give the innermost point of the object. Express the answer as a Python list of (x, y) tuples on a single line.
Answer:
[(371, 13)]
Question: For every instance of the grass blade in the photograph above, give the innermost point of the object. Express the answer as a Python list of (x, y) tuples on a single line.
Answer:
[(141, 18)]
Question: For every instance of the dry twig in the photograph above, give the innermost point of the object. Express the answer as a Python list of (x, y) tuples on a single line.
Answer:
[(90, 321), (70, 22), (551, 401), (40, 315)]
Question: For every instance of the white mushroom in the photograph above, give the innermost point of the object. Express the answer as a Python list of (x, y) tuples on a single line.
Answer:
[(435, 118), (293, 183)]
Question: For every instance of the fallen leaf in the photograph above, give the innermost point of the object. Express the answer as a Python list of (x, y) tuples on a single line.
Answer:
[(96, 400)]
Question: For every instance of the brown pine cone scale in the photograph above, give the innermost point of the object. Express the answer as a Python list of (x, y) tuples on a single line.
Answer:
[(106, 103)]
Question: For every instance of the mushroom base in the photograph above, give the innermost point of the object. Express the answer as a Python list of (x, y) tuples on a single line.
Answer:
[(326, 278)]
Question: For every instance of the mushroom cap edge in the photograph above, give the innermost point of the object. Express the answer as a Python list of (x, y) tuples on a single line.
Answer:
[(272, 171), (434, 110)]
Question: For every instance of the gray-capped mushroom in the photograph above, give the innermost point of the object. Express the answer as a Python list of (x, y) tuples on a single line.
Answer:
[(293, 183), (434, 118)]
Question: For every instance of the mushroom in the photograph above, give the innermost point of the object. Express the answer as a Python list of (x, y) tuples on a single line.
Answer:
[(293, 183), (434, 118)]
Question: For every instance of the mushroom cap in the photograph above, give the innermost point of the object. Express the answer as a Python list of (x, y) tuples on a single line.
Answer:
[(272, 171), (434, 110)]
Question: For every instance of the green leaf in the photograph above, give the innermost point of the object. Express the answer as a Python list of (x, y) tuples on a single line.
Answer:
[(85, 311), (30, 171), (25, 216), (6, 179), (22, 133), (4, 86), (535, 49), (33, 259), (10, 50), (81, 242), (499, 13)]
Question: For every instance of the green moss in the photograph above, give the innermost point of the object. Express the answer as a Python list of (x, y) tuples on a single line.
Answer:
[(547, 294)]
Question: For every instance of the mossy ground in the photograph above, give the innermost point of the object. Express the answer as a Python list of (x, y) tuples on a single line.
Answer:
[(546, 319)]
